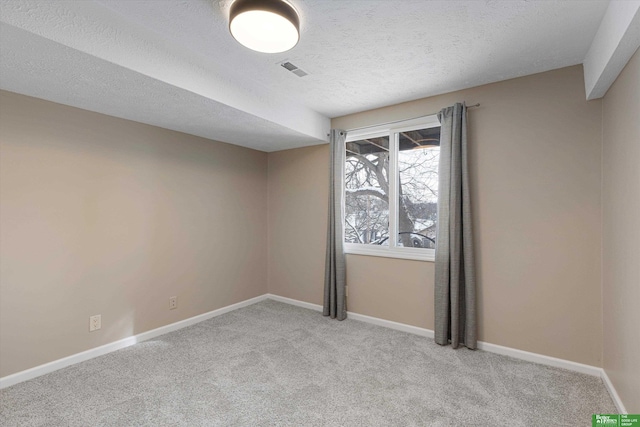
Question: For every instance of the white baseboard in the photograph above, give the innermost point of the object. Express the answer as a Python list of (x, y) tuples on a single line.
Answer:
[(428, 333), (541, 359), (291, 301), (613, 393), (37, 371), (46, 368)]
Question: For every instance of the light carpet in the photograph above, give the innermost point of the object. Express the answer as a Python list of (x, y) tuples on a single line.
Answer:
[(273, 364)]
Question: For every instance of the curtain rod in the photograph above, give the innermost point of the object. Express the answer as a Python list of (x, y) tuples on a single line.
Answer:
[(403, 120)]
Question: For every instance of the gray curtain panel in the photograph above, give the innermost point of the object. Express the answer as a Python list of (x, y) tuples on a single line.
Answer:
[(455, 280), (335, 268)]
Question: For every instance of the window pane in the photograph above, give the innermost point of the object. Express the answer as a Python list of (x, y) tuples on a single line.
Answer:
[(367, 191), (418, 155)]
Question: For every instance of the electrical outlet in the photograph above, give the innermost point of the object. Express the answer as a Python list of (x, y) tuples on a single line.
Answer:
[(173, 303), (95, 322)]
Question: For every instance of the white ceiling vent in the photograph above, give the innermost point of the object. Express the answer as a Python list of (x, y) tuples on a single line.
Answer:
[(294, 69)]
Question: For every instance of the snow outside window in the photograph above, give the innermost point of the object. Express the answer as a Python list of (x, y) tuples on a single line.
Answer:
[(391, 190)]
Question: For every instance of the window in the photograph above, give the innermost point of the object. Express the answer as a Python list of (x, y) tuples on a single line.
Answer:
[(391, 189)]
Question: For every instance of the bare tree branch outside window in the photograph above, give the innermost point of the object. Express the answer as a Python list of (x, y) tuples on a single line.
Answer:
[(367, 189)]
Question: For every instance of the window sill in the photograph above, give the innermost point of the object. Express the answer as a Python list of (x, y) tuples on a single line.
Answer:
[(386, 252)]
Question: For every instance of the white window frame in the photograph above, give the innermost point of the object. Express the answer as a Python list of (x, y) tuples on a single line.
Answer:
[(392, 250)]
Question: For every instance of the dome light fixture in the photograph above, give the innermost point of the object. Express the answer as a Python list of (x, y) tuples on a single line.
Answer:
[(269, 26)]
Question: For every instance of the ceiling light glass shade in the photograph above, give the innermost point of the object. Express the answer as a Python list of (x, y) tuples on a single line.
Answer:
[(269, 26)]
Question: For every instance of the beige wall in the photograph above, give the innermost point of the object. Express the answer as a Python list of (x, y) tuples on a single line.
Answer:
[(106, 216), (298, 196), (621, 234), (535, 164)]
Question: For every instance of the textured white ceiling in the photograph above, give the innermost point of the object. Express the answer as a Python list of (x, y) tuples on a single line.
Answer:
[(47, 70), (174, 64)]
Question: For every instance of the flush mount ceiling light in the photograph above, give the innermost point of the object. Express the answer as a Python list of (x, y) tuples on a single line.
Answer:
[(269, 26)]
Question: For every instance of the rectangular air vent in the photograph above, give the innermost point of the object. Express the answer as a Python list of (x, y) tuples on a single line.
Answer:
[(289, 66), (294, 69)]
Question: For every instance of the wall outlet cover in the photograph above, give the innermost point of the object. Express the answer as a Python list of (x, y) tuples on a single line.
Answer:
[(95, 322)]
